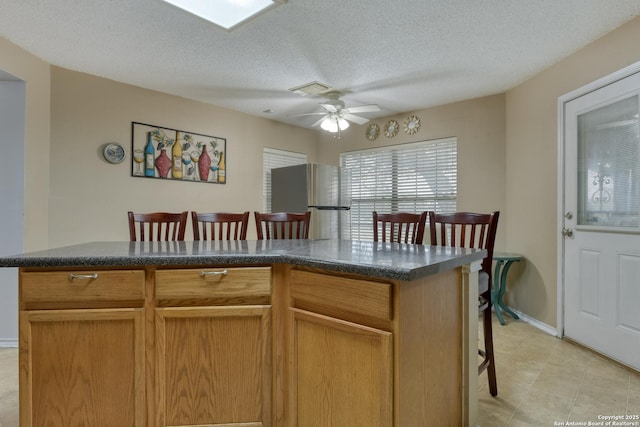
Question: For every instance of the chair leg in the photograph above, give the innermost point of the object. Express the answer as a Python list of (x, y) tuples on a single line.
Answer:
[(488, 348)]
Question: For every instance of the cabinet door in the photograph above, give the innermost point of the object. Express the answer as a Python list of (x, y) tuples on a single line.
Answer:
[(82, 368), (341, 373), (213, 366)]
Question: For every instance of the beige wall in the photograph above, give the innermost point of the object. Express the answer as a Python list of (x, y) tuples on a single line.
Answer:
[(532, 157), (36, 75), (88, 112), (479, 126), (90, 197)]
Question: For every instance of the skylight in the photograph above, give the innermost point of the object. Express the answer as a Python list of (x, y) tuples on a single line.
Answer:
[(227, 14)]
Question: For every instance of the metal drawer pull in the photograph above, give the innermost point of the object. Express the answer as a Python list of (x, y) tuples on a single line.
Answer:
[(214, 273), (83, 276)]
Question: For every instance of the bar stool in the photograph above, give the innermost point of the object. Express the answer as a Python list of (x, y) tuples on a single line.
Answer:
[(402, 227), (473, 230), (282, 225), (220, 225), (161, 225)]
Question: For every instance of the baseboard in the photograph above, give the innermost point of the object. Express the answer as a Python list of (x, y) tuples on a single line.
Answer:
[(534, 322), (8, 343)]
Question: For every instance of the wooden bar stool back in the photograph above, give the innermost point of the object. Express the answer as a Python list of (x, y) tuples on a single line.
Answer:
[(158, 226), (282, 225), (220, 225), (399, 227), (473, 230)]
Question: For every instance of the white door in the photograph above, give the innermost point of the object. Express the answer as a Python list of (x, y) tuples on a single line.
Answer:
[(602, 220)]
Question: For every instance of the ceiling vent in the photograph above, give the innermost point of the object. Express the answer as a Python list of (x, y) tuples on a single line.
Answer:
[(312, 88)]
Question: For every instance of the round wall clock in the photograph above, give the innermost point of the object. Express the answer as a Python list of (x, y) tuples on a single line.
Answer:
[(411, 125), (373, 130), (391, 128), (114, 153)]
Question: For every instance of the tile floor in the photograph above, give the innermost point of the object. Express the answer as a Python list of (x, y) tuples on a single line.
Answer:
[(542, 381), (8, 387)]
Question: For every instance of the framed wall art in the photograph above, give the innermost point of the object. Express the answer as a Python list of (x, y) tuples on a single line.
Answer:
[(165, 153)]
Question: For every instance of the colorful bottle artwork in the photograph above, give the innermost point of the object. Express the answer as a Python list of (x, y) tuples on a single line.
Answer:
[(163, 163), (222, 170), (149, 157), (176, 157), (204, 163)]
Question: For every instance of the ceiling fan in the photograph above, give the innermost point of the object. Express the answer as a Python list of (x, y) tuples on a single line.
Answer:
[(336, 116)]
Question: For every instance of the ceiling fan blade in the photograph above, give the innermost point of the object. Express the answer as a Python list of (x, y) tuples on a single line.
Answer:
[(310, 114), (329, 107), (318, 122), (355, 119), (363, 109)]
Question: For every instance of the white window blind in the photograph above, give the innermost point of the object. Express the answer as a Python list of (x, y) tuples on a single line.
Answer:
[(403, 178), (272, 158)]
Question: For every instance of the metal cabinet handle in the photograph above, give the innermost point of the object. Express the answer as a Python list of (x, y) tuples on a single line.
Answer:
[(214, 273), (83, 276)]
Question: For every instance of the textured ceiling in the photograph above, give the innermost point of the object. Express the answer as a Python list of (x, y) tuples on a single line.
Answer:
[(403, 55)]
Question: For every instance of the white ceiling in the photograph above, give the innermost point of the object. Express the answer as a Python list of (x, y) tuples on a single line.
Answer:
[(403, 55)]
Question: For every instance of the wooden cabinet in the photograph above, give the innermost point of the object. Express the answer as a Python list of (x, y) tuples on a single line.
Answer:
[(377, 353), (272, 346), (342, 373), (153, 347), (342, 366), (82, 366), (213, 362)]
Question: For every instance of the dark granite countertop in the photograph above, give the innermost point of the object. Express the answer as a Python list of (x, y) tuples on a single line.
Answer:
[(385, 260)]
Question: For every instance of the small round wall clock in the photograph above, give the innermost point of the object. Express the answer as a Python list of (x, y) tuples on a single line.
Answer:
[(114, 153), (391, 128), (411, 125), (373, 130)]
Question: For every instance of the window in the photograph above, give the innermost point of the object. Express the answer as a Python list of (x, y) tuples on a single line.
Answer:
[(608, 167), (276, 159), (227, 14), (402, 178)]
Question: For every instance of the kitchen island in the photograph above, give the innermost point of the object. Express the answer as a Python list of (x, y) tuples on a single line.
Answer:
[(247, 334)]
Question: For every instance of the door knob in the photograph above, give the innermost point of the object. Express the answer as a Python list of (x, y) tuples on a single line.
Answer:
[(567, 232)]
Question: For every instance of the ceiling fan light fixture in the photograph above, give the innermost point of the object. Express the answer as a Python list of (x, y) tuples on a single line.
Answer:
[(336, 117), (330, 124), (333, 123)]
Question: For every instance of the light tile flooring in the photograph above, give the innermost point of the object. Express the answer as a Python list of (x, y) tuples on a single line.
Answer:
[(8, 387), (542, 381)]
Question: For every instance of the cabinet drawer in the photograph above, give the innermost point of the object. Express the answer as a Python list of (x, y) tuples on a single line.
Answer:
[(340, 296), (214, 283), (82, 286)]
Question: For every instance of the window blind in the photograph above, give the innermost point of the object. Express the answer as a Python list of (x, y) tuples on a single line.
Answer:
[(272, 158), (403, 178)]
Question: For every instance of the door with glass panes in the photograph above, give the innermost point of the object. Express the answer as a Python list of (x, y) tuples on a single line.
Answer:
[(601, 225)]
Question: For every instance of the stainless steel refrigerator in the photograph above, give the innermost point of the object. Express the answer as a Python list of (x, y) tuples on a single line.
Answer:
[(322, 189)]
